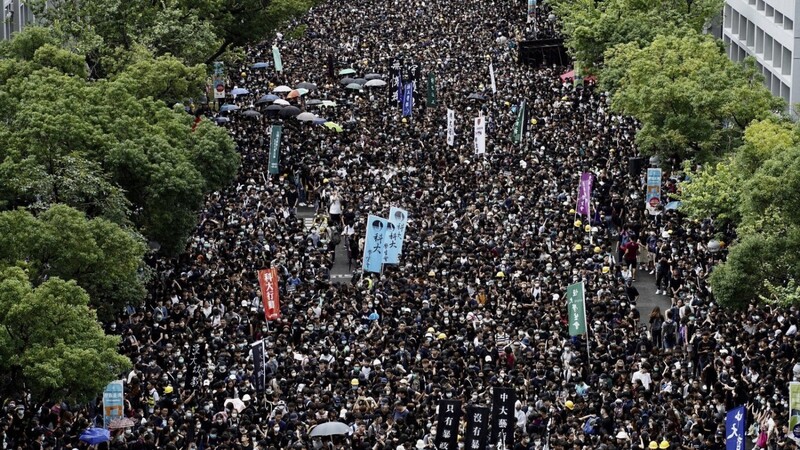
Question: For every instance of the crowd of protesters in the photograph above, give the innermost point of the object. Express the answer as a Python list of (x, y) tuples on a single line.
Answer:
[(477, 300)]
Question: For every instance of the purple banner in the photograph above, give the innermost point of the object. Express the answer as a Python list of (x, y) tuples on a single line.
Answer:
[(585, 194)]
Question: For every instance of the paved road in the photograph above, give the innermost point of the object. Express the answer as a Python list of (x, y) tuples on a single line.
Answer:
[(646, 284), (340, 273)]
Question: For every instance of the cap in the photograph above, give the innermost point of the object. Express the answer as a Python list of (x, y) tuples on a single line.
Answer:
[(246, 398), (653, 444), (663, 444), (622, 435), (569, 405)]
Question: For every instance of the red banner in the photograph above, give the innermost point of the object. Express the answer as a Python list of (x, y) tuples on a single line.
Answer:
[(268, 279)]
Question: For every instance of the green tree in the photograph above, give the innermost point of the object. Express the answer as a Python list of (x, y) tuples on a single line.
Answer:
[(103, 258), (164, 78), (51, 344)]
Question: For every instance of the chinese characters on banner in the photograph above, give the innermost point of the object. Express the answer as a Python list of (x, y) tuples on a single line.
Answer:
[(735, 429), (408, 99), (447, 427), (451, 127), (197, 360), (258, 362), (395, 233), (585, 194), (503, 420), (576, 309), (374, 244), (113, 402), (268, 279), (480, 135), (653, 193), (477, 436), (275, 149)]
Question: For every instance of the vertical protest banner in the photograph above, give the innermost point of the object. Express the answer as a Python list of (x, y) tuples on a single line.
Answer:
[(449, 419), (576, 309), (477, 434), (374, 244), (735, 428), (583, 208), (408, 99), (268, 280), (275, 149), (519, 125), (503, 420), (531, 10), (331, 66), (431, 100), (259, 372), (195, 364), (113, 402), (451, 127), (577, 79), (491, 76), (794, 411), (395, 233), (276, 58), (652, 196), (219, 80), (480, 135)]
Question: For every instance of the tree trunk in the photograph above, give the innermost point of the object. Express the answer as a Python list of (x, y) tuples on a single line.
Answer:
[(219, 52)]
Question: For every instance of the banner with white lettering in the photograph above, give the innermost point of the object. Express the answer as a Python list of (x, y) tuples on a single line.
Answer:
[(503, 420), (477, 435), (447, 427), (268, 279), (374, 244), (113, 402), (735, 429)]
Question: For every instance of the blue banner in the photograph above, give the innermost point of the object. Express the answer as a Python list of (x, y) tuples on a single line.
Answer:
[(653, 192), (374, 244), (408, 99), (395, 233), (735, 429), (113, 403)]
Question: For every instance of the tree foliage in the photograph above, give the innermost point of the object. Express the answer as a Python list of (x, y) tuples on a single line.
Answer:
[(51, 344)]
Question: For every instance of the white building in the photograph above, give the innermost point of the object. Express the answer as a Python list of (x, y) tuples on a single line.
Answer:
[(765, 30), (16, 15)]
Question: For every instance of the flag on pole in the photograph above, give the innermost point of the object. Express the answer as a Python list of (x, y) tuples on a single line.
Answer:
[(480, 135), (431, 100), (374, 247), (576, 308), (268, 280), (519, 125), (275, 149), (735, 429), (491, 74), (794, 411), (451, 127), (585, 194), (276, 57), (408, 99)]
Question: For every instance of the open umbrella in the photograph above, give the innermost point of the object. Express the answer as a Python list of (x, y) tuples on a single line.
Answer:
[(361, 81), (309, 86), (275, 107), (282, 88), (347, 71), (222, 119), (672, 205), (302, 91), (313, 102), (228, 107), (239, 91), (305, 117), (252, 114), (237, 404), (94, 436), (319, 121), (260, 65), (373, 76), (353, 86), (281, 102), (329, 429), (375, 83), (267, 98), (289, 111), (334, 126), (122, 422), (329, 103), (346, 81), (294, 94), (476, 96)]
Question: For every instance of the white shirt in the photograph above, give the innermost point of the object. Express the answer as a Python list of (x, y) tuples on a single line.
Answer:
[(644, 377)]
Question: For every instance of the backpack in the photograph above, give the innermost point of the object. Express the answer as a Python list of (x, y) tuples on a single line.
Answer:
[(669, 327)]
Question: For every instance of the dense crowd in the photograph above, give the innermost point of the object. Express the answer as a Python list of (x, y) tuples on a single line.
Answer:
[(477, 300)]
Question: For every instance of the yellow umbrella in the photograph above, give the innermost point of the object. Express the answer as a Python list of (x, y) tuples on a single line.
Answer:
[(333, 126)]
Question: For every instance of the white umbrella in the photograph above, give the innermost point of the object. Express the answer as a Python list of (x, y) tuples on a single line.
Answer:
[(282, 88), (375, 82), (237, 404), (305, 117), (329, 429), (281, 101)]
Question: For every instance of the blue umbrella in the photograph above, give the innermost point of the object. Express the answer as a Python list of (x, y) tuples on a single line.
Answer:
[(94, 436), (260, 65), (373, 316), (672, 205), (239, 91), (228, 107), (319, 121), (267, 98), (222, 120)]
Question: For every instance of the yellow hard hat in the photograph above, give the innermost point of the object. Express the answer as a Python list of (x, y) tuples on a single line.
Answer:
[(431, 274), (572, 211), (441, 336), (587, 228), (405, 120), (578, 247), (354, 382), (578, 223), (663, 444), (534, 121), (606, 269), (569, 404), (500, 274), (244, 74), (168, 390), (598, 249), (653, 444), (431, 330)]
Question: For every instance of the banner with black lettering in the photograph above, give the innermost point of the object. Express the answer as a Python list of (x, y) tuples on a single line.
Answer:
[(259, 373), (477, 436), (503, 420), (447, 427)]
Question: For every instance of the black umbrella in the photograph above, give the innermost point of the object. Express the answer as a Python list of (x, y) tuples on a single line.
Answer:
[(313, 102), (346, 80), (361, 81), (475, 96), (252, 114), (309, 86), (289, 111), (373, 76)]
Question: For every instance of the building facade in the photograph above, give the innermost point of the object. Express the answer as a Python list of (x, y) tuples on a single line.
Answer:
[(768, 31), (16, 15)]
